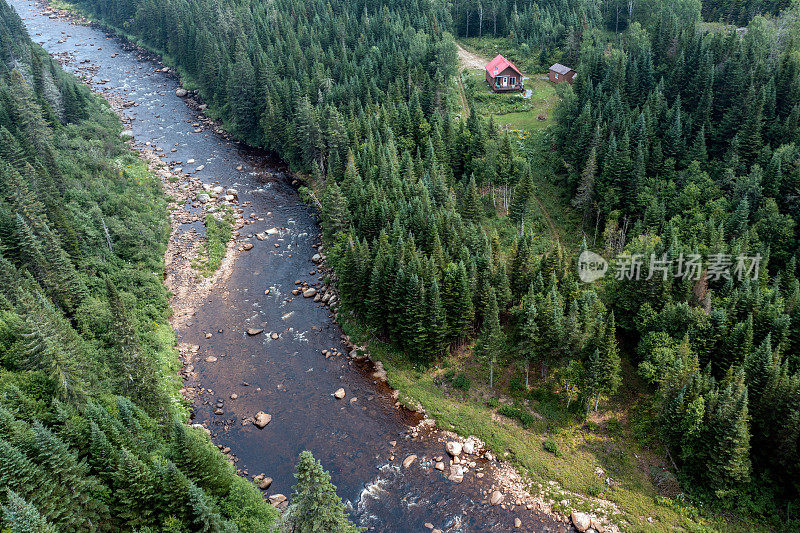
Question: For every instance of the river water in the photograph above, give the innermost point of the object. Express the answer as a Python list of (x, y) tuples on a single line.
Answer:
[(287, 377)]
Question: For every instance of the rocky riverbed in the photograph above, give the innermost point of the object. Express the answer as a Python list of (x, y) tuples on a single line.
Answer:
[(267, 369)]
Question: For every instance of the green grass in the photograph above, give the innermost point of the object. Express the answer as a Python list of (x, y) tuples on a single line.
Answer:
[(511, 109), (219, 231)]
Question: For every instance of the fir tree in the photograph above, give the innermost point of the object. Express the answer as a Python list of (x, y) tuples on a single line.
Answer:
[(315, 506), (22, 517)]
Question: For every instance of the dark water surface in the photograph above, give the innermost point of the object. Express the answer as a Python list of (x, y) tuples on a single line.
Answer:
[(288, 377)]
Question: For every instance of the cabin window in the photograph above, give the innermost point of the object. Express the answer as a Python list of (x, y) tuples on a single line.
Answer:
[(556, 75), (512, 80)]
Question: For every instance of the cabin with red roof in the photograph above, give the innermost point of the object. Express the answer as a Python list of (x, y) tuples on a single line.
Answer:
[(503, 76)]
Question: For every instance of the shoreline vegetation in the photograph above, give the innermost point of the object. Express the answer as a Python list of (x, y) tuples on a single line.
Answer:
[(628, 451), (92, 429)]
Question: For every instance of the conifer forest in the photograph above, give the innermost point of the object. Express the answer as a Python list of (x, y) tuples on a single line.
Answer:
[(461, 251)]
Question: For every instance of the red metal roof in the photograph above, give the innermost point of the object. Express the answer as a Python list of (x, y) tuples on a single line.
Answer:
[(498, 65)]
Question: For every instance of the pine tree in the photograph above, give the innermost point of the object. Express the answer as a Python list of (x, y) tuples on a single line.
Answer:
[(519, 200), (457, 300), (593, 380), (335, 214), (492, 339), (22, 517), (727, 459), (609, 358), (86, 506), (529, 338), (584, 197), (134, 492), (472, 209), (315, 506), (436, 320)]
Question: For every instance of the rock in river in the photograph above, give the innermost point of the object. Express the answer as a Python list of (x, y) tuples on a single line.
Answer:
[(339, 394), (181, 93), (496, 497), (308, 293), (265, 483), (254, 331), (262, 419), (456, 473), (408, 460)]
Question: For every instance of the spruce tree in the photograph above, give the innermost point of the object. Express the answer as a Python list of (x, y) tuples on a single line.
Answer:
[(315, 507), (20, 516)]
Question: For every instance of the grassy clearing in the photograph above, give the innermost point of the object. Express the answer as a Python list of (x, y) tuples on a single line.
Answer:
[(509, 109), (512, 109), (558, 450), (219, 230)]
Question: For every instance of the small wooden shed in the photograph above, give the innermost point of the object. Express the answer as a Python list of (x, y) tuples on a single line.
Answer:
[(559, 73), (503, 76)]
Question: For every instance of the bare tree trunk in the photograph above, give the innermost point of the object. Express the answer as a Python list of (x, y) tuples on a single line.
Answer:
[(480, 20), (108, 235), (527, 368), (467, 32), (491, 373), (596, 401)]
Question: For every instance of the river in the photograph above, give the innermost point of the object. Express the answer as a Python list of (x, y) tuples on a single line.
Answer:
[(287, 377)]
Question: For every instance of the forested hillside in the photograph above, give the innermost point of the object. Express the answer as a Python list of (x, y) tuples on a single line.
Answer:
[(92, 433), (675, 139), (682, 142)]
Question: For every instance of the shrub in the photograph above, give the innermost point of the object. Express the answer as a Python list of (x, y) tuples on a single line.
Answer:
[(462, 382), (521, 415), (551, 446)]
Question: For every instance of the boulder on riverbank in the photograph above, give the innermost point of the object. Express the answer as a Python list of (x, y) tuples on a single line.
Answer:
[(453, 448), (181, 92), (581, 521), (277, 499)]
